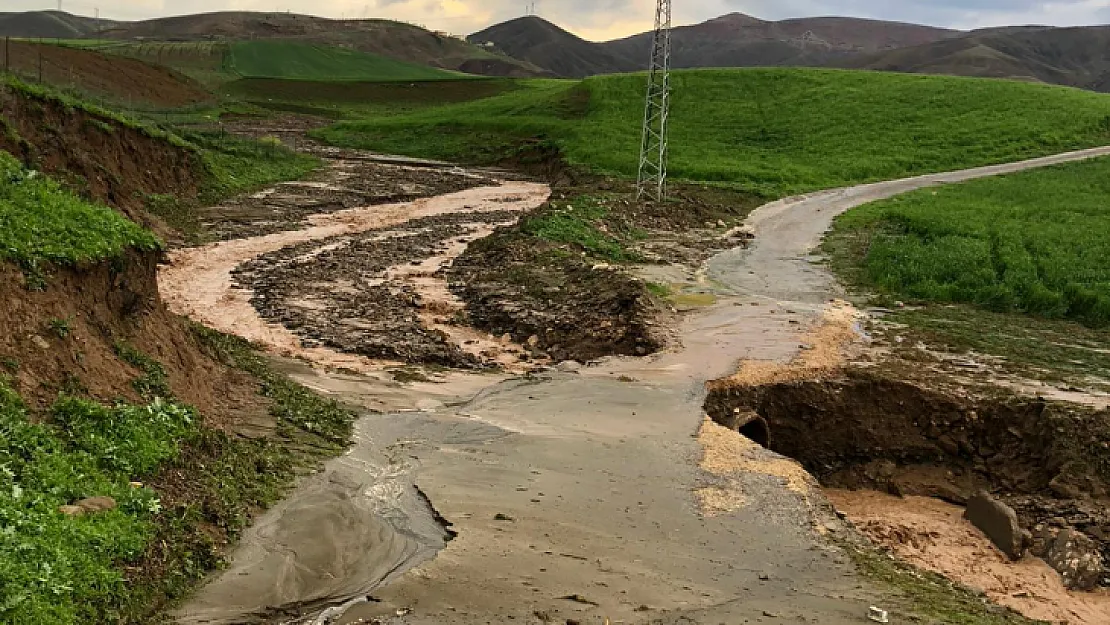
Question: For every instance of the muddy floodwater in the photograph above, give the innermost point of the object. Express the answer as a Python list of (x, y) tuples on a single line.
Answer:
[(577, 493)]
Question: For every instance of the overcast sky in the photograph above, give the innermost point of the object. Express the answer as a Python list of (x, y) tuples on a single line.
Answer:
[(606, 19)]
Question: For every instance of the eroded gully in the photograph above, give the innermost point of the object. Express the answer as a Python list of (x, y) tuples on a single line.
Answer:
[(582, 495)]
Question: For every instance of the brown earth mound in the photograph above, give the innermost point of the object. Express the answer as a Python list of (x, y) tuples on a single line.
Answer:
[(114, 78), (68, 337), (96, 157)]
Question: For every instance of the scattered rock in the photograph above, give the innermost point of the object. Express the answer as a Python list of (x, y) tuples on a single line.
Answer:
[(569, 366), (502, 517), (93, 505), (999, 522), (579, 599), (1074, 555), (40, 342)]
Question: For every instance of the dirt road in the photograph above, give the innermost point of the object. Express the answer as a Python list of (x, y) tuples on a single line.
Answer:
[(572, 495)]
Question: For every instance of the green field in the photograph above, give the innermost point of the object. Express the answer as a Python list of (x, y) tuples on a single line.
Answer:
[(298, 61), (772, 131), (1034, 242)]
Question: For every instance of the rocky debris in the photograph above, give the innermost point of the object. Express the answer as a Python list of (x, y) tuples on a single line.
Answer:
[(741, 233), (91, 505), (336, 292), (999, 522), (1074, 555), (525, 287), (344, 184)]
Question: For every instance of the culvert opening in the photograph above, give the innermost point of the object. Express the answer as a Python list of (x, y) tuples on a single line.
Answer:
[(1050, 462)]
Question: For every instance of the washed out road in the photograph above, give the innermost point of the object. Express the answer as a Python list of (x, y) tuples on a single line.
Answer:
[(569, 495)]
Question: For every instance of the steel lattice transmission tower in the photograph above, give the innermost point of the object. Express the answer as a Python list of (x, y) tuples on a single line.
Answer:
[(652, 179)]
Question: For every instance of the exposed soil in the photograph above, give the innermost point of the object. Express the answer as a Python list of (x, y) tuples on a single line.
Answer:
[(574, 307), (96, 157), (344, 184), (529, 289), (339, 292), (388, 307), (933, 535), (116, 78), (63, 339)]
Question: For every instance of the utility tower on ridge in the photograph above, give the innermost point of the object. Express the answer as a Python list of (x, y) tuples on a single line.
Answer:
[(652, 179)]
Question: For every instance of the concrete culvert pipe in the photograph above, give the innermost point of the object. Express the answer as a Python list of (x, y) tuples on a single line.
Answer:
[(752, 426)]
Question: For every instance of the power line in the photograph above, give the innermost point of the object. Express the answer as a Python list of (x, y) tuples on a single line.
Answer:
[(651, 182)]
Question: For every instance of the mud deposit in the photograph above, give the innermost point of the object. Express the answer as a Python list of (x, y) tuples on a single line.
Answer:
[(933, 535), (353, 293), (346, 183)]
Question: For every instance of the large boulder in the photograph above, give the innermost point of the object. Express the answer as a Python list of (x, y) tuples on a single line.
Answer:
[(999, 522), (1073, 554)]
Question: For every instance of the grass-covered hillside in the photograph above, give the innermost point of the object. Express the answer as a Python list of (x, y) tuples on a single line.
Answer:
[(300, 61), (1034, 242), (774, 131)]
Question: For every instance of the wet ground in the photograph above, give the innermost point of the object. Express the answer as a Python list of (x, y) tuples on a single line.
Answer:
[(573, 494)]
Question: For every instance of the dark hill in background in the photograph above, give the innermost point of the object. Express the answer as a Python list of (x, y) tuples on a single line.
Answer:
[(396, 40), (1077, 57), (49, 24), (545, 45), (734, 40), (739, 40)]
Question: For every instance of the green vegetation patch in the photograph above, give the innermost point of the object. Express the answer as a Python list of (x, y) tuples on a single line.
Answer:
[(1033, 242), (286, 59), (42, 222), (55, 568), (581, 221), (183, 491), (771, 131), (237, 164)]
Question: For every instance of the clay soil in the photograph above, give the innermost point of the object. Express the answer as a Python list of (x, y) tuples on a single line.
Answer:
[(116, 78), (338, 292), (96, 157), (579, 308)]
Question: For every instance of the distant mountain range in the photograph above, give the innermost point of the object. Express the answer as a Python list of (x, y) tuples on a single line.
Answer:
[(1078, 57), (392, 39), (734, 40), (50, 25), (531, 46)]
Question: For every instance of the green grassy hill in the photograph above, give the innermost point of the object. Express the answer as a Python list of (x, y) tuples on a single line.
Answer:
[(773, 131), (284, 59)]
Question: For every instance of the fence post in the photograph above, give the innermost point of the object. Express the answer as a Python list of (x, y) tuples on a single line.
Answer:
[(7, 55)]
